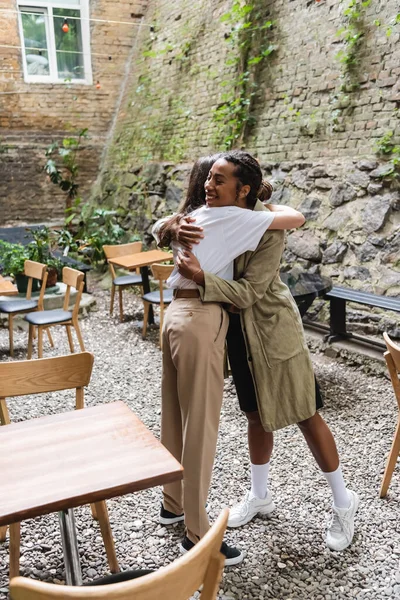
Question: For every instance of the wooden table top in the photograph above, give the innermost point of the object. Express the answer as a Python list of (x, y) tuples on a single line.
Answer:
[(141, 259), (7, 288), (74, 458)]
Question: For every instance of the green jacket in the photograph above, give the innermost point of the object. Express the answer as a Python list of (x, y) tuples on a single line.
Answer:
[(278, 356)]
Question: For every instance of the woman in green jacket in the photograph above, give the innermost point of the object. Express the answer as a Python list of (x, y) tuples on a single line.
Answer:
[(270, 362)]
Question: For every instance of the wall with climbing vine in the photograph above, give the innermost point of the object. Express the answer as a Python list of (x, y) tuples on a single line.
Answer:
[(310, 86)]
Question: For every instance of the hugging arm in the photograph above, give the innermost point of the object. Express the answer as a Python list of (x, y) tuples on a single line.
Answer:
[(178, 227), (261, 270)]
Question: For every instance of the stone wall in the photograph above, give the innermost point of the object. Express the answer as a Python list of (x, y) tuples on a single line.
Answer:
[(33, 115)]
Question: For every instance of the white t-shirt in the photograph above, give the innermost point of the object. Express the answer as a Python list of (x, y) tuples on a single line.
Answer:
[(228, 232)]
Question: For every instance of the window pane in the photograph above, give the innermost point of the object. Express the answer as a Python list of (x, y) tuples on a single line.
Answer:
[(70, 63), (66, 2), (35, 41)]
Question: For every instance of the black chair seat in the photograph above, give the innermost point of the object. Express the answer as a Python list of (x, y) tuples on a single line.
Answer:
[(48, 317), (13, 306), (119, 577), (128, 280), (154, 297)]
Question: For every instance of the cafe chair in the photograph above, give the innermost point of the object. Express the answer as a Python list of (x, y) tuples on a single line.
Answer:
[(123, 281), (161, 297), (27, 377), (201, 566), (33, 271), (44, 319), (392, 357)]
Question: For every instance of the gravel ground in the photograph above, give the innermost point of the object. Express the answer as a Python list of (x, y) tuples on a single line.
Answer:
[(286, 555)]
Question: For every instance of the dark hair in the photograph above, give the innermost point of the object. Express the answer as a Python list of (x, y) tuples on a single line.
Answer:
[(248, 172), (265, 191), (196, 195)]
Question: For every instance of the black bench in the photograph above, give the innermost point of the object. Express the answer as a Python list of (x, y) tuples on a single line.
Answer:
[(338, 296)]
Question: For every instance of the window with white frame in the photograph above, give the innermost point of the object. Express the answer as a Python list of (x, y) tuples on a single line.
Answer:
[(55, 38)]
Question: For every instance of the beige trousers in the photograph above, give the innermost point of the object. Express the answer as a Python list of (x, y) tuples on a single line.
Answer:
[(192, 387)]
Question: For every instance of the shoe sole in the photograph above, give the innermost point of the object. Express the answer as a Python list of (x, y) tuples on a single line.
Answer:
[(229, 562), (356, 505), (265, 513), (166, 521)]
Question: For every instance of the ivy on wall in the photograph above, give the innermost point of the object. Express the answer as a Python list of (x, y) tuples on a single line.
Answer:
[(351, 34), (249, 46)]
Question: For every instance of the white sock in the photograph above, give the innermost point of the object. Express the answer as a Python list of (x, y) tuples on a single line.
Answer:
[(340, 495), (259, 480)]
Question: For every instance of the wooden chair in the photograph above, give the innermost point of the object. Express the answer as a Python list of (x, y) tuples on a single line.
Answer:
[(32, 270), (161, 297), (122, 281), (40, 376), (44, 319), (392, 357), (203, 565)]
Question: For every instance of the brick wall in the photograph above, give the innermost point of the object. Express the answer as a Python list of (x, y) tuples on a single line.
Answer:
[(33, 115)]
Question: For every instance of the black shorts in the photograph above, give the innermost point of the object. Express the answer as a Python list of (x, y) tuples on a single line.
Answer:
[(241, 373)]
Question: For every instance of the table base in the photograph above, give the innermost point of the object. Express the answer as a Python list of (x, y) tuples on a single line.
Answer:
[(73, 573)]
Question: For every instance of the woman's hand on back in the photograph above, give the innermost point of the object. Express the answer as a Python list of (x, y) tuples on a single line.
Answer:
[(186, 233), (189, 267)]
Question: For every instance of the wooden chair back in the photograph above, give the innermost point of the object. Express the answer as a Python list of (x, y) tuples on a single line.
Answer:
[(73, 279), (121, 250), (44, 375), (34, 270), (161, 273), (392, 357), (203, 565)]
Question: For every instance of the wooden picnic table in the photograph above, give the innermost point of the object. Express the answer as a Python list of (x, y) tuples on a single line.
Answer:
[(142, 260), (62, 461), (7, 288)]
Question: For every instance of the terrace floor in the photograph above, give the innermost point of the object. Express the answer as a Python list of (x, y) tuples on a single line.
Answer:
[(286, 555)]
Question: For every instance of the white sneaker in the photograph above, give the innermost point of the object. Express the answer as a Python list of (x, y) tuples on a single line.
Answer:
[(341, 529), (249, 507)]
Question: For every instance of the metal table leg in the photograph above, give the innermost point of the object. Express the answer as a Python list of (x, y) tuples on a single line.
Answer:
[(144, 271), (73, 573)]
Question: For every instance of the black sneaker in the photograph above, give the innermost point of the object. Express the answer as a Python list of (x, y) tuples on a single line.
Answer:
[(233, 556), (169, 518)]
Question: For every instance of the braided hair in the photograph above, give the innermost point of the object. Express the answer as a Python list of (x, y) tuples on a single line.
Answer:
[(248, 172)]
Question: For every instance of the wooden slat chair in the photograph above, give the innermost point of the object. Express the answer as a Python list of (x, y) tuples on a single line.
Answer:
[(392, 357), (27, 377), (123, 281), (44, 319), (34, 271), (203, 565), (162, 297)]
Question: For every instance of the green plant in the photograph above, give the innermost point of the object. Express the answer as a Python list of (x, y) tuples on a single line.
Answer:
[(13, 257), (387, 148), (351, 34), (65, 176), (248, 48)]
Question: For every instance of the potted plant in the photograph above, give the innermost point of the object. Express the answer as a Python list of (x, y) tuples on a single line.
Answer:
[(12, 259)]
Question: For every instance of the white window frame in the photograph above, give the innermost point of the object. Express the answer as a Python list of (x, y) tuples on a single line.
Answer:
[(47, 7)]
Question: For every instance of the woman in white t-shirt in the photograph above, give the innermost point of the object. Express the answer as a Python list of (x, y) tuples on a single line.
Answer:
[(193, 345)]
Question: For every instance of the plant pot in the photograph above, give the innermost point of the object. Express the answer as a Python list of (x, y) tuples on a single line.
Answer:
[(22, 284), (51, 277)]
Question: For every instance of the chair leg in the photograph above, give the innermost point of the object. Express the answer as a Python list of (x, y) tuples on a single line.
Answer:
[(102, 513), (15, 543), (112, 299), (70, 340), (94, 513), (391, 463), (11, 333), (4, 416), (3, 533), (40, 342), (30, 337), (50, 337), (121, 307), (146, 309), (78, 334)]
